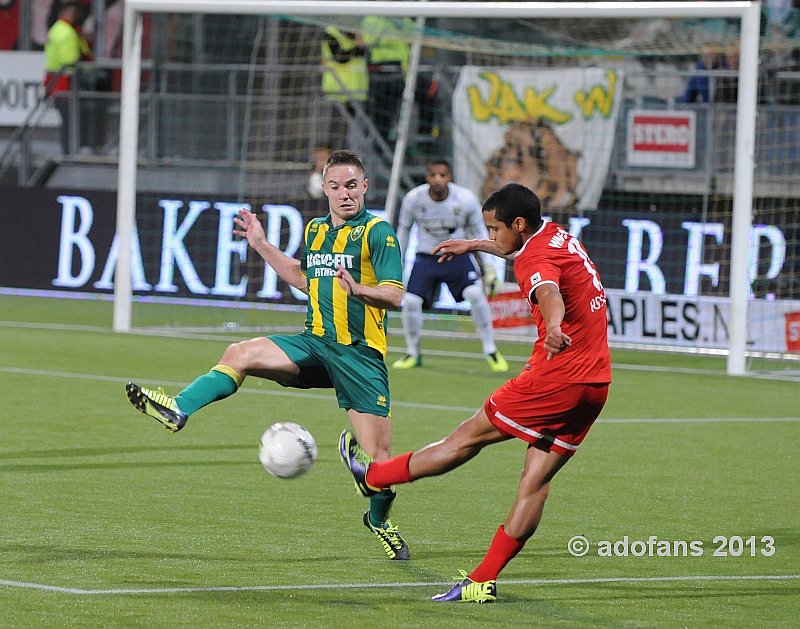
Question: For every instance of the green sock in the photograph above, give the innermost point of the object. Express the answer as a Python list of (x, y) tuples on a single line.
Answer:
[(379, 506), (210, 387)]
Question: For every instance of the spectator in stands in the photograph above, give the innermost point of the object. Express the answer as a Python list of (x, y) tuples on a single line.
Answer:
[(388, 53), (388, 62), (722, 92), (727, 87), (65, 47), (698, 88), (344, 80)]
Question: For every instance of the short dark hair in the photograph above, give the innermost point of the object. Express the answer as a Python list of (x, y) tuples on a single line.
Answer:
[(512, 201), (344, 158), (440, 161)]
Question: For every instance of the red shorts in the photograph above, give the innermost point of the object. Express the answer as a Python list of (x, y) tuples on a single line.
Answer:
[(555, 416)]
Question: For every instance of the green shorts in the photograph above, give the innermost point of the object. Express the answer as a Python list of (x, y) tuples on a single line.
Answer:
[(357, 373)]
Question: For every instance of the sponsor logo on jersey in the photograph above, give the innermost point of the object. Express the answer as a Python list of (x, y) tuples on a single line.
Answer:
[(325, 264), (357, 233), (439, 227), (390, 241)]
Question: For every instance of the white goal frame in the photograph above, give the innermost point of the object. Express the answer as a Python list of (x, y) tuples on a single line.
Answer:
[(747, 12)]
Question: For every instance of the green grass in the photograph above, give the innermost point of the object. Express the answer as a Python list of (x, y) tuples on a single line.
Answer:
[(98, 497)]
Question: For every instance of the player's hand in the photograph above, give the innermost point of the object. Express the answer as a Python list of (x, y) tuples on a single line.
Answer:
[(346, 281), (556, 342), (490, 283), (449, 248), (248, 226)]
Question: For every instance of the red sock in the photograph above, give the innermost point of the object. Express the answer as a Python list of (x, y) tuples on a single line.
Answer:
[(391, 472), (502, 550)]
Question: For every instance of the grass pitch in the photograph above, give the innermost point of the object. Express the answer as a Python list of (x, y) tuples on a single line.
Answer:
[(109, 520)]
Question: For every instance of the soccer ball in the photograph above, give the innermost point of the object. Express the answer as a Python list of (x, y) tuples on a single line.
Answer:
[(287, 450)]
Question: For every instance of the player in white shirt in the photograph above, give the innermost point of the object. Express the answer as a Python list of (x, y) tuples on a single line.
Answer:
[(443, 210)]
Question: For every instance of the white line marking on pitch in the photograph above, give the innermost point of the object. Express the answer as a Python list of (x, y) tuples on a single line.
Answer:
[(398, 403), (360, 586)]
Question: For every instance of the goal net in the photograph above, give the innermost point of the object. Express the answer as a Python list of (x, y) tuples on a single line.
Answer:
[(635, 122)]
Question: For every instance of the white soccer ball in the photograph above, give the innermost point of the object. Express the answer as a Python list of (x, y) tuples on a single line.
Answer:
[(287, 450)]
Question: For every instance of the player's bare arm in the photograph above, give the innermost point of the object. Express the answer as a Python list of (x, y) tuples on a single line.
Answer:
[(383, 296), (455, 247), (288, 269), (551, 305)]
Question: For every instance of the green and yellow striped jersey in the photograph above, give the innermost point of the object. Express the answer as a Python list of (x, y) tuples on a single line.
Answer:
[(367, 247)]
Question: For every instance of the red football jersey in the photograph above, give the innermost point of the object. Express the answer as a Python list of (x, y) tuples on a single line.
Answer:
[(552, 256)]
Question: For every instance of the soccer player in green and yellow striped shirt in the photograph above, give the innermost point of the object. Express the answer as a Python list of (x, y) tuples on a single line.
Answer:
[(352, 273)]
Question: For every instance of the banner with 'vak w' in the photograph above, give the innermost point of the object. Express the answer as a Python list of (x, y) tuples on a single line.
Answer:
[(551, 130)]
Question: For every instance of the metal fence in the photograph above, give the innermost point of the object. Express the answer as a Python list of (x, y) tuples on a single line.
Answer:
[(195, 116)]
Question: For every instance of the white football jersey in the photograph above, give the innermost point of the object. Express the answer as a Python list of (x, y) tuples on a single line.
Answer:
[(458, 216)]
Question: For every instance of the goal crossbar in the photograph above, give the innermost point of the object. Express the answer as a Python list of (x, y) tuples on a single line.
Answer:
[(747, 12), (444, 9)]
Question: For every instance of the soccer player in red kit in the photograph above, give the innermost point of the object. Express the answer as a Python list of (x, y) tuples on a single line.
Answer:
[(551, 404)]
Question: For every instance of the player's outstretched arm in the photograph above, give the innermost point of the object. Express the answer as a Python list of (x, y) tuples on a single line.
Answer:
[(288, 269), (456, 247)]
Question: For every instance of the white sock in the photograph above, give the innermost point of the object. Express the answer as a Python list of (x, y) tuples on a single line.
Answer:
[(412, 322), (482, 316)]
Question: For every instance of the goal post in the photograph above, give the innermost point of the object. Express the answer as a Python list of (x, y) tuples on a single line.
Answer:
[(748, 14)]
